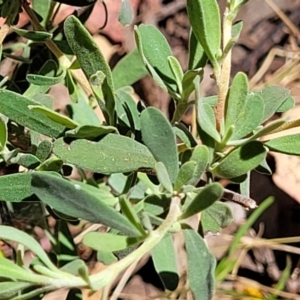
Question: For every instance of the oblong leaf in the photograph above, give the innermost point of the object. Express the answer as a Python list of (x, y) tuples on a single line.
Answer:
[(163, 176), (91, 59), (107, 242), (66, 196), (126, 13), (37, 36), (158, 136), (249, 118), (201, 266), (15, 107), (90, 132), (205, 198), (200, 155), (44, 80), (164, 259), (205, 18), (240, 160), (197, 56), (185, 174), (289, 144), (236, 99), (3, 132), (155, 51), (113, 154), (11, 288), (54, 116)]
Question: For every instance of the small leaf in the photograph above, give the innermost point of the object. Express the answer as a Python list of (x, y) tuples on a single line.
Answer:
[(45, 80), (163, 176), (26, 160), (215, 217), (205, 18), (65, 196), (240, 160), (129, 212), (113, 154), (197, 56), (207, 121), (107, 242), (201, 266), (90, 132), (155, 51), (188, 85), (91, 59), (158, 136), (205, 198), (237, 98), (249, 118), (54, 116), (289, 144), (186, 173), (44, 150), (126, 13), (129, 69), (164, 259), (12, 234), (177, 71), (274, 97), (200, 155), (15, 187), (36, 36), (15, 107)]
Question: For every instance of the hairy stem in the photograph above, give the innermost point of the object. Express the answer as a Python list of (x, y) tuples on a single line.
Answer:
[(224, 76)]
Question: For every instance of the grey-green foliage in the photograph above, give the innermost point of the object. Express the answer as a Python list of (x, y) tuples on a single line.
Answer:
[(143, 174)]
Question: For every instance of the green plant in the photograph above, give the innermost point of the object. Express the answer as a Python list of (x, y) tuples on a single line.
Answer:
[(152, 185)]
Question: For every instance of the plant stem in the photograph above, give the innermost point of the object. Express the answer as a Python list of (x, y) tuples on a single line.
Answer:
[(224, 75), (154, 238)]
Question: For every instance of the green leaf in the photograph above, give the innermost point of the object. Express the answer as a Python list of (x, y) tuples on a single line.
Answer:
[(3, 132), (42, 8), (91, 60), (107, 242), (90, 132), (200, 155), (129, 69), (36, 36), (49, 69), (240, 160), (45, 80), (66, 196), (12, 234), (236, 99), (274, 97), (201, 266), (163, 176), (129, 212), (26, 160), (289, 103), (215, 217), (126, 13), (206, 120), (197, 56), (11, 288), (113, 154), (51, 164), (15, 187), (15, 107), (43, 150), (107, 258), (164, 259), (188, 85), (249, 118), (177, 71), (205, 20), (205, 198), (54, 116), (186, 173), (158, 136), (155, 51), (289, 144)]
